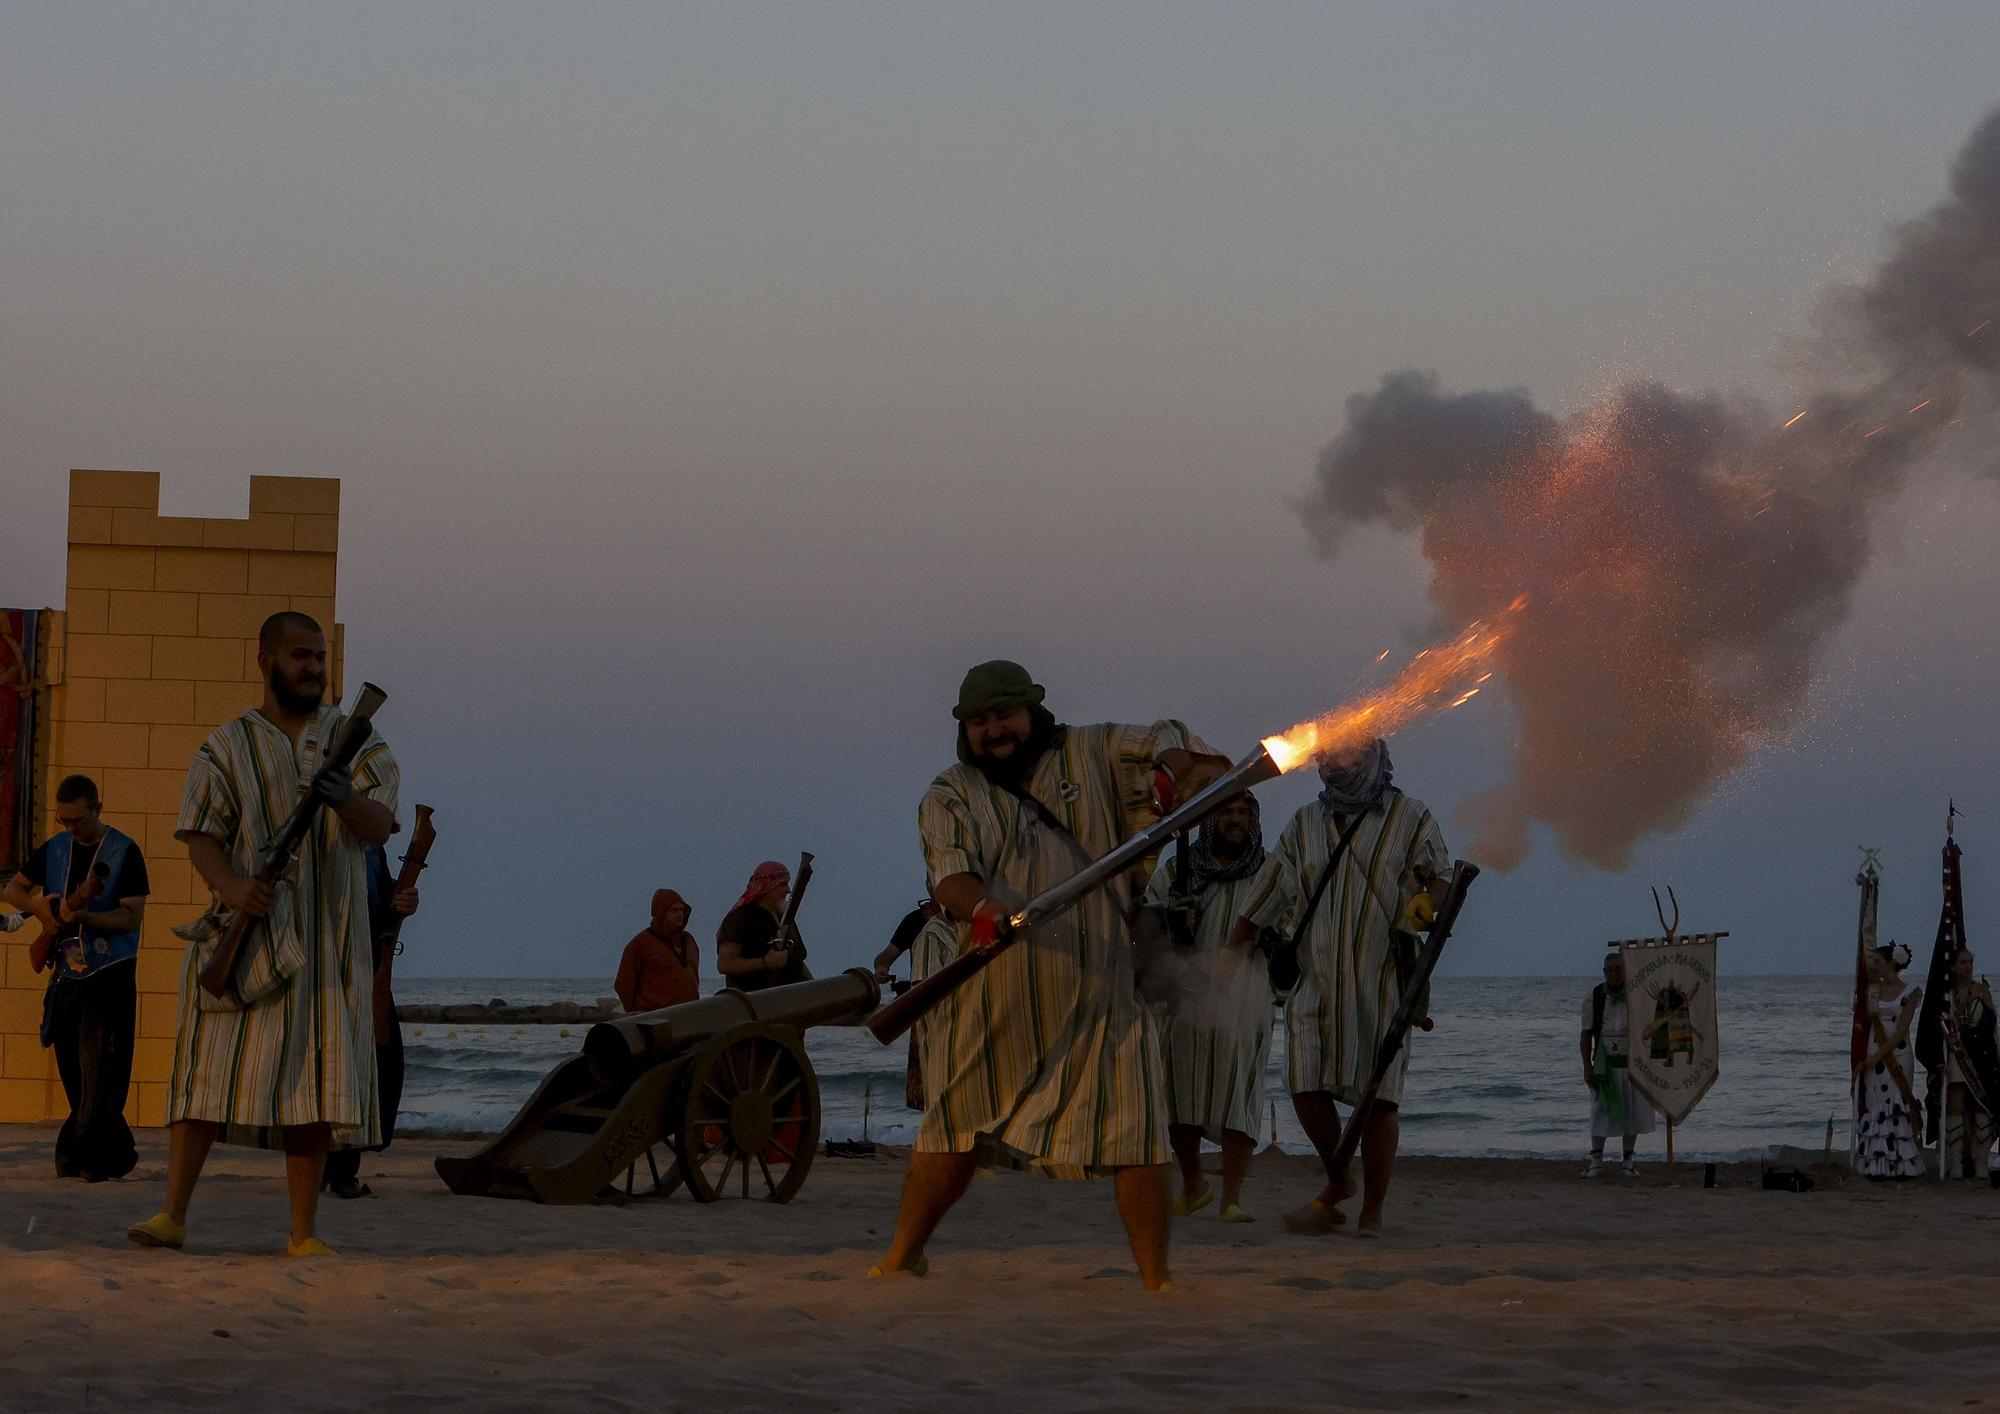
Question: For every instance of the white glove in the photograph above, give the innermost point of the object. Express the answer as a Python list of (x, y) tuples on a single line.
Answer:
[(12, 922)]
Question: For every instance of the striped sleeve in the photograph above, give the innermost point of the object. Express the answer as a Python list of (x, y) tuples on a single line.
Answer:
[(1279, 889), (946, 831), (1131, 752), (376, 774), (1428, 855), (208, 799)]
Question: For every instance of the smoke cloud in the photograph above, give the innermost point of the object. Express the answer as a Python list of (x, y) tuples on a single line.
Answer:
[(1685, 557)]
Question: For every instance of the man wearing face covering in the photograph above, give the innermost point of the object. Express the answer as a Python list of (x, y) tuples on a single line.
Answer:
[(1356, 948), (662, 965), (1047, 1058)]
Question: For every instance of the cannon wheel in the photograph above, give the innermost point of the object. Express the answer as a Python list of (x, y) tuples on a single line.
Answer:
[(749, 1118)]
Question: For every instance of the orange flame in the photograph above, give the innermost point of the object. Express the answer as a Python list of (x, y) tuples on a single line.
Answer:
[(1441, 677)]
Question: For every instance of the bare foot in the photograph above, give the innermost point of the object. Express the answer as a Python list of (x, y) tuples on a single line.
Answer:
[(1314, 1217), (1370, 1224), (1337, 1193)]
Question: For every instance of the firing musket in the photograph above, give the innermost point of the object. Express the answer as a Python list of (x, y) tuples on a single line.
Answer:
[(893, 1020), (218, 977)]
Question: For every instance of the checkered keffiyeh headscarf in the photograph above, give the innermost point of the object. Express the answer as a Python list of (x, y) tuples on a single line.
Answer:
[(1356, 780), (770, 877)]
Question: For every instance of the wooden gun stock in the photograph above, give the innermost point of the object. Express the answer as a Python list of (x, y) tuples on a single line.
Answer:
[(786, 936), (1416, 998), (220, 975), (422, 836), (799, 882), (76, 901), (920, 998)]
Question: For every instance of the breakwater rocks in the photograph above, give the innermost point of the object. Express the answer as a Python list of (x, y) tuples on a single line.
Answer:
[(499, 1013)]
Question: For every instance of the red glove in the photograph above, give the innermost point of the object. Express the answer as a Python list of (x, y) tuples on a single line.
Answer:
[(990, 924), (1166, 790)]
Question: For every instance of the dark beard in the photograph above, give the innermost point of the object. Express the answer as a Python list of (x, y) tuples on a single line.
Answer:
[(1012, 773), (297, 703)]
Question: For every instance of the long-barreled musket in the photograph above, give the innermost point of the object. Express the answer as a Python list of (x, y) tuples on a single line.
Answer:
[(1411, 1012), (788, 925), (219, 977), (422, 836), (900, 1015)]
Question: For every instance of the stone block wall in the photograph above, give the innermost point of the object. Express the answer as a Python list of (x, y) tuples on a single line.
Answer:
[(156, 647)]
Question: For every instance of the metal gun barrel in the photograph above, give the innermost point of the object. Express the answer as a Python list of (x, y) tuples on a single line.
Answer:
[(1251, 770)]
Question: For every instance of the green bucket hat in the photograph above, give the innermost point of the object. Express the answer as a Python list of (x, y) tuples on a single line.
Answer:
[(997, 686)]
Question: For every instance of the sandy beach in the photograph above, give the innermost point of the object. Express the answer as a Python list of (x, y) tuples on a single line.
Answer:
[(1503, 1282)]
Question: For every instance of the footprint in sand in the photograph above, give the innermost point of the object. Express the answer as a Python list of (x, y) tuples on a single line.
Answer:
[(1305, 1283), (708, 1279)]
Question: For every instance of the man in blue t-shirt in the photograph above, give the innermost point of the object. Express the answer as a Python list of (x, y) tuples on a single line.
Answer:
[(86, 886)]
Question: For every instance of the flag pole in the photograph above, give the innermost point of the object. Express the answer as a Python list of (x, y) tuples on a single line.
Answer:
[(1870, 880)]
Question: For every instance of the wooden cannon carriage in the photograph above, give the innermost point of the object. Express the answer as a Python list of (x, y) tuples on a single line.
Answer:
[(722, 1084)]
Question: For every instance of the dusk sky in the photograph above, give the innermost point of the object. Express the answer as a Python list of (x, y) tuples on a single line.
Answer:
[(711, 385)]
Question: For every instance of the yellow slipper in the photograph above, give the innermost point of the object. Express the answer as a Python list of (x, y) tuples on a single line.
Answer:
[(1234, 1214), (919, 1268), (1185, 1205), (311, 1247), (159, 1231)]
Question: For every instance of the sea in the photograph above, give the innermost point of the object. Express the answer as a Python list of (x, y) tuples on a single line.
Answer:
[(1499, 1077)]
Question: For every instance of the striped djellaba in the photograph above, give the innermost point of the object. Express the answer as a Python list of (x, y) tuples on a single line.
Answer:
[(1047, 1057), (1215, 1032), (1348, 989), (306, 1053)]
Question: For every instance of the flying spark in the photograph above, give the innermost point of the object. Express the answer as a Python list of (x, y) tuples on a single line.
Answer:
[(1795, 419), (1412, 694), (1866, 435), (1921, 406), (1977, 327)]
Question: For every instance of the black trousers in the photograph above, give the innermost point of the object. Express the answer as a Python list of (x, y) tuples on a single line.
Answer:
[(92, 1022), (343, 1165)]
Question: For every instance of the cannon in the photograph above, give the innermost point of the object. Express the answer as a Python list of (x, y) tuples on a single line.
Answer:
[(722, 1083)]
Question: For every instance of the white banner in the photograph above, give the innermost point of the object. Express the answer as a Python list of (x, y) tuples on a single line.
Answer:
[(1674, 1047)]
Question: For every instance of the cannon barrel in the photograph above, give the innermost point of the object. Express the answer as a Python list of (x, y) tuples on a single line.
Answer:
[(617, 1049)]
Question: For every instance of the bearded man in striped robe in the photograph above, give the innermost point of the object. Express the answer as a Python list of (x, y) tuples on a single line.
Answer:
[(1047, 1058), (294, 1069)]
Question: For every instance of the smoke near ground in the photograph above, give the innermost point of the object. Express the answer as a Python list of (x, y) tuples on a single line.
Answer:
[(1685, 557)]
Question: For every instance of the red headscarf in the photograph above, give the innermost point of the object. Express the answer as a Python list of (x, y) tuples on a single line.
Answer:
[(770, 877)]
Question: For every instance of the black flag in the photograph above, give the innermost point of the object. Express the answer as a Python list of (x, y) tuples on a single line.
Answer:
[(1937, 985)]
